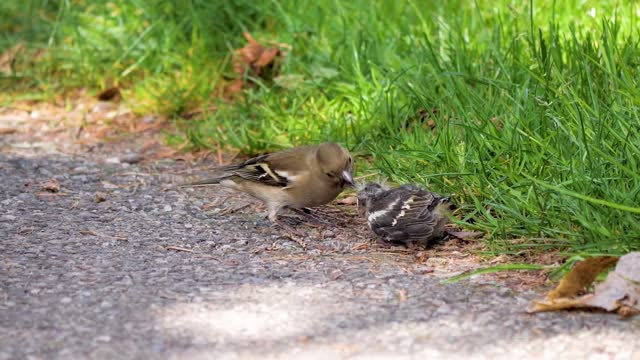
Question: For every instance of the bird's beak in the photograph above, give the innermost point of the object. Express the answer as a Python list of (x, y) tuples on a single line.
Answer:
[(348, 178)]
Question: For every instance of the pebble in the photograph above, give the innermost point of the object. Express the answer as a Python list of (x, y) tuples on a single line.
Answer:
[(103, 338), (131, 158)]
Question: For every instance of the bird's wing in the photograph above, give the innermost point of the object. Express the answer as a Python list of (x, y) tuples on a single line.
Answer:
[(260, 170), (278, 169), (404, 214)]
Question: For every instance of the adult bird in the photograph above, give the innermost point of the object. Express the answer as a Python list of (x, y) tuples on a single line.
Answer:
[(300, 177)]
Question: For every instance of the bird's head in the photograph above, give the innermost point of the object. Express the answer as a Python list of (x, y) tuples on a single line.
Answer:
[(366, 192), (336, 164)]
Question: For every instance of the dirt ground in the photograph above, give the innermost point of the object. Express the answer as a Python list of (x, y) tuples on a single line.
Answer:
[(110, 260)]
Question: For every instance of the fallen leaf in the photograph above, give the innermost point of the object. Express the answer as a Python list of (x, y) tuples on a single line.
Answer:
[(112, 93), (7, 131), (52, 185), (423, 257), (403, 295), (336, 274), (581, 276), (254, 60), (8, 57), (100, 197), (348, 200), (620, 292)]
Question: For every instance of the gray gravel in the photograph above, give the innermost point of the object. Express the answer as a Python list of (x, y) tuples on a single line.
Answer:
[(154, 272)]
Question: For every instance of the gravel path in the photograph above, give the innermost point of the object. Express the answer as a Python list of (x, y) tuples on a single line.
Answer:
[(117, 264)]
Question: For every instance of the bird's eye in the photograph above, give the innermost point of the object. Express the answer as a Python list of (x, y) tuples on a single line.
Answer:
[(329, 175)]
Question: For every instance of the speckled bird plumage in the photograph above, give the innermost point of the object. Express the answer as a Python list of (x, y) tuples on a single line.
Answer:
[(406, 214), (300, 177)]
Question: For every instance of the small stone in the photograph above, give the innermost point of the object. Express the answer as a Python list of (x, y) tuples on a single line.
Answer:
[(112, 160), (167, 208), (131, 158), (9, 217), (127, 281), (188, 226), (103, 338), (65, 300), (149, 119)]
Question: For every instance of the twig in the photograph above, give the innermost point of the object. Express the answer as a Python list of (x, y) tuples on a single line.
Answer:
[(210, 205), (46, 194), (232, 210), (178, 248), (94, 233), (296, 240), (361, 246), (132, 173), (219, 153)]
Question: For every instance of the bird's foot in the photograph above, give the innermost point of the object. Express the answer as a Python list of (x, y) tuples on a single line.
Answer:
[(293, 234), (311, 217)]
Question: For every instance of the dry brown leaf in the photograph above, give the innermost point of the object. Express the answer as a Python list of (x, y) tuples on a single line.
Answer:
[(581, 276), (424, 256), (7, 131), (620, 292), (255, 60), (622, 286), (100, 197), (112, 93), (7, 58), (267, 57), (52, 185)]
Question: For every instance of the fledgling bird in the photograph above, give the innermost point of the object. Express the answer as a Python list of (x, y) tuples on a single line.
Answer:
[(405, 215), (300, 177)]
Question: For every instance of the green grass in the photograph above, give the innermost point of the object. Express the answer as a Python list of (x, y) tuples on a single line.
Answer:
[(537, 129)]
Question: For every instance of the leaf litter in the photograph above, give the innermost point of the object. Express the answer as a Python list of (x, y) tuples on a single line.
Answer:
[(619, 293), (255, 60)]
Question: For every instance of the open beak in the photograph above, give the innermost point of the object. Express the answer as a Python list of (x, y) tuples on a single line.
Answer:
[(348, 178)]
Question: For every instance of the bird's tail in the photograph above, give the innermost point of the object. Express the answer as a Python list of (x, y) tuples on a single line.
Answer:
[(205, 182)]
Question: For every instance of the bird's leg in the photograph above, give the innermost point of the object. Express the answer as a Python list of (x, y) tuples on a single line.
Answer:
[(289, 229), (293, 233)]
